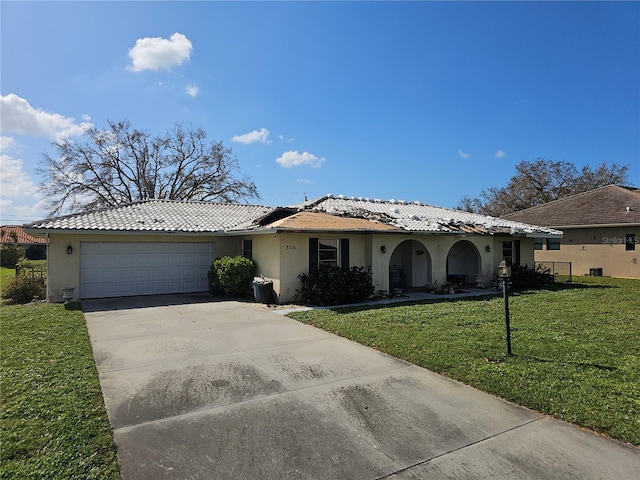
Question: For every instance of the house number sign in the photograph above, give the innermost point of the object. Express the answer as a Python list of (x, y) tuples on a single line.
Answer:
[(290, 247)]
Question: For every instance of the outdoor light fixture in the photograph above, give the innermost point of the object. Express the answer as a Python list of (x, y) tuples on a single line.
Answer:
[(383, 249), (69, 250), (488, 248), (504, 273)]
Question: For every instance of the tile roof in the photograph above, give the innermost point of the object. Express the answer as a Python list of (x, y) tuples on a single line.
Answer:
[(419, 217), (158, 216), (23, 237), (608, 205), (327, 213)]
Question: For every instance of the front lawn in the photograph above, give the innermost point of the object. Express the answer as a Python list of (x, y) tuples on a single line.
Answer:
[(6, 274), (53, 420), (576, 347)]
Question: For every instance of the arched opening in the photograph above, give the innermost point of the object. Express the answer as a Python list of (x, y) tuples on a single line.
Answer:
[(463, 262), (409, 266)]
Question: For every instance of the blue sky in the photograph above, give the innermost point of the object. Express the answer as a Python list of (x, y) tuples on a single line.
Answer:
[(427, 101)]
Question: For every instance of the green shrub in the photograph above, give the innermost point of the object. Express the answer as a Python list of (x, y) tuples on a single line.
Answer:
[(330, 285), (10, 254), (233, 275), (22, 289), (524, 276)]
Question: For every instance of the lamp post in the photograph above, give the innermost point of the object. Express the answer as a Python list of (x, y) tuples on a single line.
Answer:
[(504, 273)]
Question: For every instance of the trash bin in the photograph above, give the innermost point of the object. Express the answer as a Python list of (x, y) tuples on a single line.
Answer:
[(256, 289), (266, 292), (262, 290)]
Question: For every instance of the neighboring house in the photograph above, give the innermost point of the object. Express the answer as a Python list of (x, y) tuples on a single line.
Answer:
[(34, 247), (601, 231), (160, 246)]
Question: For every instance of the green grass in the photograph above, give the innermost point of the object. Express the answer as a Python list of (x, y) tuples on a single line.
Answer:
[(53, 420), (6, 274), (576, 347)]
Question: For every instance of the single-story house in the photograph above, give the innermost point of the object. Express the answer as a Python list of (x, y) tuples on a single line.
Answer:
[(161, 246), (601, 231), (35, 247)]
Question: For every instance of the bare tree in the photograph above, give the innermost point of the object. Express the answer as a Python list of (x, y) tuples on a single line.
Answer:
[(542, 181), (121, 164)]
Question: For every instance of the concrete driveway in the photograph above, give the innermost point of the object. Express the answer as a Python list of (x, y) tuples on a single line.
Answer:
[(201, 389)]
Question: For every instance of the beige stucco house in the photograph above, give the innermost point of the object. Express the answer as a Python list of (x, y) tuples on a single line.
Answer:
[(601, 231), (160, 246)]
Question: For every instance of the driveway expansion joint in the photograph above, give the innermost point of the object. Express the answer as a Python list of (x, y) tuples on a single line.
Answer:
[(462, 447)]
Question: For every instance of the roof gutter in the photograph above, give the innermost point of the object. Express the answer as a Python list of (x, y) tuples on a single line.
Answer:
[(598, 225), (48, 231), (545, 235)]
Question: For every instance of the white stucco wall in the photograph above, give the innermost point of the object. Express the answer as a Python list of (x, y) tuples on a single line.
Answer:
[(438, 247), (365, 251), (293, 258), (282, 257), (266, 255)]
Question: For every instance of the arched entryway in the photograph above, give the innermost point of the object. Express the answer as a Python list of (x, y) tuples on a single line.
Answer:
[(463, 262), (409, 266)]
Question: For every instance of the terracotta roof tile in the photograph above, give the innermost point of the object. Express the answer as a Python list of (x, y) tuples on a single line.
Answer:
[(23, 238)]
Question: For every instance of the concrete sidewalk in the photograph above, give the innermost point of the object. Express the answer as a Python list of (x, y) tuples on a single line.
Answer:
[(202, 389)]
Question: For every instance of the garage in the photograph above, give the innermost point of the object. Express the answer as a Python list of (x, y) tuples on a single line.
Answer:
[(118, 269)]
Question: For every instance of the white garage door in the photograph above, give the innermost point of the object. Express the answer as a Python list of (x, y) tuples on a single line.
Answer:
[(115, 269)]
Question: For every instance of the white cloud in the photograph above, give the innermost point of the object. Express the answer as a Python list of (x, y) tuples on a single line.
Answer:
[(14, 181), (18, 116), (303, 180), (18, 214), (500, 154), (7, 144), (462, 154), (261, 136), (293, 158), (288, 140), (157, 53), (191, 90), (21, 200)]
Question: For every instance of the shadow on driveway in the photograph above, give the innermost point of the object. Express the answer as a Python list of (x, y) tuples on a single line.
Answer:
[(127, 303)]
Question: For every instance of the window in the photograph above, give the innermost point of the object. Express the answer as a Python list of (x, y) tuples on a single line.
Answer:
[(511, 252), (247, 249), (537, 244), (328, 252), (507, 252), (630, 241), (553, 244)]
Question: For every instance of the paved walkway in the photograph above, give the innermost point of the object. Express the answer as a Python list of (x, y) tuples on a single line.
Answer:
[(225, 390)]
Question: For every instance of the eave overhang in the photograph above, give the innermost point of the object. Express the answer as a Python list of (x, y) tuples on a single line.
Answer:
[(62, 231)]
